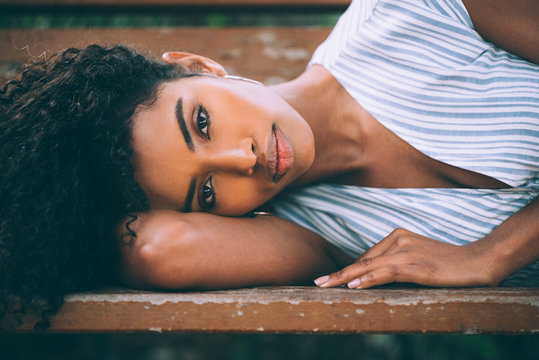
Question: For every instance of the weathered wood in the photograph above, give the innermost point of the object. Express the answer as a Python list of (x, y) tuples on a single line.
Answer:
[(269, 55), (301, 310), (153, 3)]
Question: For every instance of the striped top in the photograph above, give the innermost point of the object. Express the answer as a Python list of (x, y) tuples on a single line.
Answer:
[(420, 68)]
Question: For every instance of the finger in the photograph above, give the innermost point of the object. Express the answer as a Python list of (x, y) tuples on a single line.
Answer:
[(346, 274), (384, 275), (385, 245), (355, 270), (401, 241)]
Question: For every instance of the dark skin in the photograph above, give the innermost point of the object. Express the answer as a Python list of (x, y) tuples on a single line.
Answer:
[(202, 250), (510, 24)]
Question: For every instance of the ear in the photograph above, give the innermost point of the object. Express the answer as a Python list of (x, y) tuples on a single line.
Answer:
[(196, 63)]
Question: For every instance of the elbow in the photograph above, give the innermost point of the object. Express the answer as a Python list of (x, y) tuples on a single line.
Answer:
[(158, 260), (150, 265)]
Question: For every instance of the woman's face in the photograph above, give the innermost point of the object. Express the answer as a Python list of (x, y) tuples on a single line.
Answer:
[(218, 145)]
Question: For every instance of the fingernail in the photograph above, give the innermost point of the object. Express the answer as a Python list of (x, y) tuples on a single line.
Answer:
[(354, 283), (321, 280)]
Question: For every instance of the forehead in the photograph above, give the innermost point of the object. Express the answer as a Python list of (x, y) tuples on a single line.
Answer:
[(157, 147)]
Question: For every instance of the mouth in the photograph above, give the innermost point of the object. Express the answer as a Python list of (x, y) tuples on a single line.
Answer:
[(280, 156)]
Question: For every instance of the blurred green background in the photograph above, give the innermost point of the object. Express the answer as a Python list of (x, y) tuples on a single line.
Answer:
[(266, 347), (134, 17), (231, 346)]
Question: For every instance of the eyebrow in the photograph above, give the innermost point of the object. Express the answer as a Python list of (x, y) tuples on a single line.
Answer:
[(189, 142), (189, 197), (183, 126)]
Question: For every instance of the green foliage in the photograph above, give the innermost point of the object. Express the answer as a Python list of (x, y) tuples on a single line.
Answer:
[(224, 19), (268, 347)]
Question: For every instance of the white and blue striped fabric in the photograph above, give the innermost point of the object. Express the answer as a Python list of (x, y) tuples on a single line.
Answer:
[(420, 68)]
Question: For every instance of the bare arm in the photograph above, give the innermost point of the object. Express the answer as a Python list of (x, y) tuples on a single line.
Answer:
[(407, 257), (511, 24), (198, 250), (514, 244)]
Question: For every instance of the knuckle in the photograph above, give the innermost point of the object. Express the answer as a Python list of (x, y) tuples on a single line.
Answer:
[(404, 240), (338, 275), (426, 272), (400, 232), (394, 270), (365, 262), (429, 268)]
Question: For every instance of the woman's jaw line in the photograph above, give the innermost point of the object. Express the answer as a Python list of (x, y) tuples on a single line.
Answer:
[(334, 117)]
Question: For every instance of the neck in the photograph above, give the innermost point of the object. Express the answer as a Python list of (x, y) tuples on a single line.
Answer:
[(336, 119)]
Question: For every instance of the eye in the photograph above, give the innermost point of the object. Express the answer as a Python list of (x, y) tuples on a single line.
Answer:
[(207, 194), (203, 121)]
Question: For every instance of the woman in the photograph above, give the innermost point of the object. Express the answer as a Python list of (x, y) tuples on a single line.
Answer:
[(171, 155)]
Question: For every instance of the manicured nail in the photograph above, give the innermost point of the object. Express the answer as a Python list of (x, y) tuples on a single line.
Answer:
[(321, 280), (354, 283)]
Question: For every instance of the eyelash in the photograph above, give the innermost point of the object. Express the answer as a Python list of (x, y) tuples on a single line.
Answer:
[(203, 128), (207, 206)]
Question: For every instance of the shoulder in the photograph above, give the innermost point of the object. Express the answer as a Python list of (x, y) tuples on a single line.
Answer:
[(511, 25), (450, 9), (375, 24)]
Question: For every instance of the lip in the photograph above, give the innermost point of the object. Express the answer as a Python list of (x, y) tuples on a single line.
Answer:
[(280, 156), (271, 155)]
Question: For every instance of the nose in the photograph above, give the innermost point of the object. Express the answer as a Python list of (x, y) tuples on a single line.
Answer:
[(236, 158)]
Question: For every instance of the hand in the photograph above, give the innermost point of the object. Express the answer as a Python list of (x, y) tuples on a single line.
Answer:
[(404, 256)]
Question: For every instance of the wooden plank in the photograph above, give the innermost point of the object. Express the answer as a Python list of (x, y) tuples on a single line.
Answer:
[(300, 310), (156, 3), (269, 55)]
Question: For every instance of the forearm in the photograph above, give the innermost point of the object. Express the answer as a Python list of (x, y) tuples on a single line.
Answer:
[(512, 245), (199, 250)]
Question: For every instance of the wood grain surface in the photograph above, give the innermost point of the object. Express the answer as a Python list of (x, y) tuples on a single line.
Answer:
[(299, 310), (269, 55)]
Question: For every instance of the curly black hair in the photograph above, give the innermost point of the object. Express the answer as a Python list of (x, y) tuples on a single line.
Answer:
[(66, 180)]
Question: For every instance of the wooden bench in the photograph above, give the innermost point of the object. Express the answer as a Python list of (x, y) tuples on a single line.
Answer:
[(298, 310), (269, 54)]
